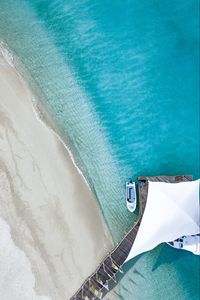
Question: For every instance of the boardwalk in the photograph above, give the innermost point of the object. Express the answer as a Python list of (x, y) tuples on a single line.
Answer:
[(96, 286)]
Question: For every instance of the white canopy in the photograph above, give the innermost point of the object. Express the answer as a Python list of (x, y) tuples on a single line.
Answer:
[(172, 210)]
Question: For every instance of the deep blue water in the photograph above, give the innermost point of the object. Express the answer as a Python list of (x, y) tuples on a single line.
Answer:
[(121, 80)]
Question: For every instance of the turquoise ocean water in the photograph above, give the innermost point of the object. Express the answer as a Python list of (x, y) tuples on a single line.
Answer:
[(121, 80)]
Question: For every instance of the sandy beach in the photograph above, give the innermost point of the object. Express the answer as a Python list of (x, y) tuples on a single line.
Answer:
[(52, 234)]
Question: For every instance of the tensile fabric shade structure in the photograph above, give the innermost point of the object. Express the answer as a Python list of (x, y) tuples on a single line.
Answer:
[(172, 211)]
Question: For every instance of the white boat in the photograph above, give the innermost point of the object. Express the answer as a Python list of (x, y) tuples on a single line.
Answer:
[(190, 243), (131, 198)]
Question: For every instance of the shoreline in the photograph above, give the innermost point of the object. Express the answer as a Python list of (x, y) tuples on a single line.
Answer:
[(39, 109), (53, 215)]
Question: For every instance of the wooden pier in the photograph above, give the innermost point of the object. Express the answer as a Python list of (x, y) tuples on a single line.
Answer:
[(98, 284)]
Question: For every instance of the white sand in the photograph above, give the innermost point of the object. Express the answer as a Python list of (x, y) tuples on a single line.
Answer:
[(58, 232)]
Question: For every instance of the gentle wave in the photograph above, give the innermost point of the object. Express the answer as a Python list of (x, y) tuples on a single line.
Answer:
[(7, 55)]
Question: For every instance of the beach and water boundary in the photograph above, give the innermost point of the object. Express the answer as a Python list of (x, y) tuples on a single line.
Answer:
[(41, 201)]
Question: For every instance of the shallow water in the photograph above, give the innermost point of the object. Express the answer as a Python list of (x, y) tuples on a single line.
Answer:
[(121, 80)]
